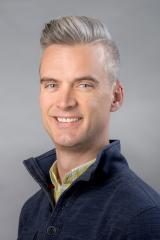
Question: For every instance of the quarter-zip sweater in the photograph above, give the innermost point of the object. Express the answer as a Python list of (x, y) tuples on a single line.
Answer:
[(107, 202)]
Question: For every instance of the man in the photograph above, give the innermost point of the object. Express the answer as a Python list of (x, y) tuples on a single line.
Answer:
[(87, 188)]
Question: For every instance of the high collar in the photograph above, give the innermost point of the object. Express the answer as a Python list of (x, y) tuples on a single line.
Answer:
[(109, 155)]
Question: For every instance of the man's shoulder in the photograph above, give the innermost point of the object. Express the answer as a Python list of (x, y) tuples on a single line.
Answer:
[(31, 204), (126, 198), (137, 193), (143, 207)]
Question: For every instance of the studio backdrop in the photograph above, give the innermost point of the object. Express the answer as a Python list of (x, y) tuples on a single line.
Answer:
[(134, 25)]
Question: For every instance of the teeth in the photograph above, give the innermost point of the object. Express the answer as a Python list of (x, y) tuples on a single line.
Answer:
[(68, 119)]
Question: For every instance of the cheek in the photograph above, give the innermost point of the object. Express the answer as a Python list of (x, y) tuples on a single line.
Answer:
[(89, 107), (99, 104), (94, 105), (99, 110), (44, 102), (91, 111)]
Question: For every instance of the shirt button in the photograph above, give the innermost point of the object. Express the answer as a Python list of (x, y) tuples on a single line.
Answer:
[(51, 230)]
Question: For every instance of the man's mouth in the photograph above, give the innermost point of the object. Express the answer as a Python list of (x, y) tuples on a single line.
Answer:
[(68, 119)]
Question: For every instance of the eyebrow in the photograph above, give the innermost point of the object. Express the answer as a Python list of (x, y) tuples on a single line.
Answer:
[(78, 79)]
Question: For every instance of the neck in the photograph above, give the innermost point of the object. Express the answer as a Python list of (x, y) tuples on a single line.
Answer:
[(70, 158)]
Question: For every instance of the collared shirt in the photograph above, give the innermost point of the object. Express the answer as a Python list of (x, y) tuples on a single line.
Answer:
[(69, 177)]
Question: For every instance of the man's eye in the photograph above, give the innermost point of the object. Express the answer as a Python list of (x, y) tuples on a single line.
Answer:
[(50, 85), (85, 85)]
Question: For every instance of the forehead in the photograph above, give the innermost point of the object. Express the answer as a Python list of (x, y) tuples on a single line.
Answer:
[(80, 57)]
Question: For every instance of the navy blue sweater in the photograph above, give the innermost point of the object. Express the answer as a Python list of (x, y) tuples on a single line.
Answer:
[(107, 202)]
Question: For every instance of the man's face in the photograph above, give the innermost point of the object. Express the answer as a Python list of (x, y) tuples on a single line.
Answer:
[(75, 95)]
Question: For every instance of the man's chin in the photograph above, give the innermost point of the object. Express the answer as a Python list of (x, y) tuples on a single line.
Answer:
[(68, 144)]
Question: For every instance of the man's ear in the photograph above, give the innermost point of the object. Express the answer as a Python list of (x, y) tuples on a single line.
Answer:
[(117, 96)]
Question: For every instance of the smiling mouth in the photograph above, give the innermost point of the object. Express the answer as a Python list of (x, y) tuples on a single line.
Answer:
[(68, 119)]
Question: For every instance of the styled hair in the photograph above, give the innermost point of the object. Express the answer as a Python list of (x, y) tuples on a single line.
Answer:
[(71, 30)]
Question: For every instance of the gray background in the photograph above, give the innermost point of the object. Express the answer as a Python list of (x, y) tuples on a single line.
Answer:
[(135, 27)]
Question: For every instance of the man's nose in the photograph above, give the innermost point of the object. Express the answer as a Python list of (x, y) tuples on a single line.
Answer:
[(66, 99)]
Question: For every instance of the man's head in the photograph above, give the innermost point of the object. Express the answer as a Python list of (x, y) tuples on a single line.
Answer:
[(79, 86), (72, 30)]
